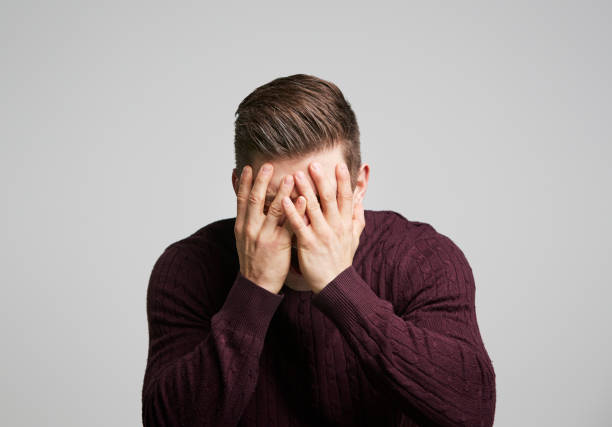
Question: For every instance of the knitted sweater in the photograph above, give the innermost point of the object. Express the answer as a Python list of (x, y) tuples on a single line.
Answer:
[(392, 340)]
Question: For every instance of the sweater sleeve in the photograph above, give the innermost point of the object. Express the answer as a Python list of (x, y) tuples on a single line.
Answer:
[(427, 356), (202, 367)]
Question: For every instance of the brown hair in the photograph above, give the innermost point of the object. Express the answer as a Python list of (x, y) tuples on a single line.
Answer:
[(293, 116)]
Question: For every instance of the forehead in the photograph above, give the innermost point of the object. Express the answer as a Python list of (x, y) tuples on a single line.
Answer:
[(328, 159)]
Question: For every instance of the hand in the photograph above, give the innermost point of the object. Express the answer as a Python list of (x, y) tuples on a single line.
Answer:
[(263, 241), (327, 246)]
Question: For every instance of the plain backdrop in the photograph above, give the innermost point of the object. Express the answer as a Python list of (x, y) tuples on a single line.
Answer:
[(488, 120)]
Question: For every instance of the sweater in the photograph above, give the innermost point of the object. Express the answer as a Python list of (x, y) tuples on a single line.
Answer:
[(392, 340)]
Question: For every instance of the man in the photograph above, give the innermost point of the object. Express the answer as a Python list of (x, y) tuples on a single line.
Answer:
[(305, 309)]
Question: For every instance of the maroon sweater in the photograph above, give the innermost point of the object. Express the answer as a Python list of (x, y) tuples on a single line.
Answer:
[(391, 341)]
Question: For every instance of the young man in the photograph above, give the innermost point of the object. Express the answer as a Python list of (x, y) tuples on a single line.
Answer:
[(305, 309)]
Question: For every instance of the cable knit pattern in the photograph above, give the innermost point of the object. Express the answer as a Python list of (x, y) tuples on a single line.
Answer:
[(393, 340)]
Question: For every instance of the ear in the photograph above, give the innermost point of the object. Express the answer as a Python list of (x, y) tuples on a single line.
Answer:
[(362, 184)]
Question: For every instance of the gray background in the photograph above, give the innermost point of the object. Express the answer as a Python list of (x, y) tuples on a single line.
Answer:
[(489, 121)]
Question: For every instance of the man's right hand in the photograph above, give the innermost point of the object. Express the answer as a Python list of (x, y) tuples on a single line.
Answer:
[(263, 240)]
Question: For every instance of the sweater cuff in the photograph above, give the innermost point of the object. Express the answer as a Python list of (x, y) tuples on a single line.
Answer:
[(347, 299), (248, 307)]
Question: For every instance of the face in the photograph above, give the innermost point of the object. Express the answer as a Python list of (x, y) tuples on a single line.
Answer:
[(328, 160)]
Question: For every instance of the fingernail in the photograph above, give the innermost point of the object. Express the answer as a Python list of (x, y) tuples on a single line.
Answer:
[(266, 168), (288, 179), (315, 166), (300, 175)]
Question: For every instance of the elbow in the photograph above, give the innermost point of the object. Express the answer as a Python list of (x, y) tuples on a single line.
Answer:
[(472, 404), (156, 408), (488, 397), (483, 403), (476, 406), (150, 417)]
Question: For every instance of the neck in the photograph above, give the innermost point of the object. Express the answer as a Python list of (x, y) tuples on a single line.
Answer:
[(296, 282)]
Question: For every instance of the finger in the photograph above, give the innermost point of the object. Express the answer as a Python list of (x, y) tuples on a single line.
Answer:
[(312, 204), (275, 211), (358, 219), (295, 220), (300, 206), (257, 195), (244, 188), (345, 193), (327, 194)]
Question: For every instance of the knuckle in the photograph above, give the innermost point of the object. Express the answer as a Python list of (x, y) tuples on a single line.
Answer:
[(251, 231), (327, 238), (253, 198), (314, 203), (326, 196), (275, 210), (259, 180), (307, 243), (262, 176)]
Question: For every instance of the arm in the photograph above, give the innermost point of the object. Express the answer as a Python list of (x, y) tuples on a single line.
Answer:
[(429, 357), (202, 368)]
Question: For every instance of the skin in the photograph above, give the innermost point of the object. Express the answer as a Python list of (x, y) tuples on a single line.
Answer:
[(325, 231)]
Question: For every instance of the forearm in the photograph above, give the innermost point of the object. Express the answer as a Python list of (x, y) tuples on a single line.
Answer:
[(213, 383), (450, 381)]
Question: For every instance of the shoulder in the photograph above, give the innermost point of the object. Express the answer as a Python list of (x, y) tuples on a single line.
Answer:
[(214, 236), (394, 230), (415, 248), (395, 221), (198, 251), (430, 262), (210, 249), (202, 264), (410, 236)]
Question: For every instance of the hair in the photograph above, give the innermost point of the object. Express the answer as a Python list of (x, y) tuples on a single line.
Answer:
[(293, 116)]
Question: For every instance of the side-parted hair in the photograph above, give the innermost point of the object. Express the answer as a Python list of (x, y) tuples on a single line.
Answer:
[(294, 116)]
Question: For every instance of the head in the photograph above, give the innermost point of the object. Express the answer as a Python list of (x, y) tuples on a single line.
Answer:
[(291, 122)]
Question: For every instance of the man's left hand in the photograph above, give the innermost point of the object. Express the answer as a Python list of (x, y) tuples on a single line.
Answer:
[(327, 245)]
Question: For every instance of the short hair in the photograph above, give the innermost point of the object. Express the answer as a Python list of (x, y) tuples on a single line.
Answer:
[(293, 116)]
